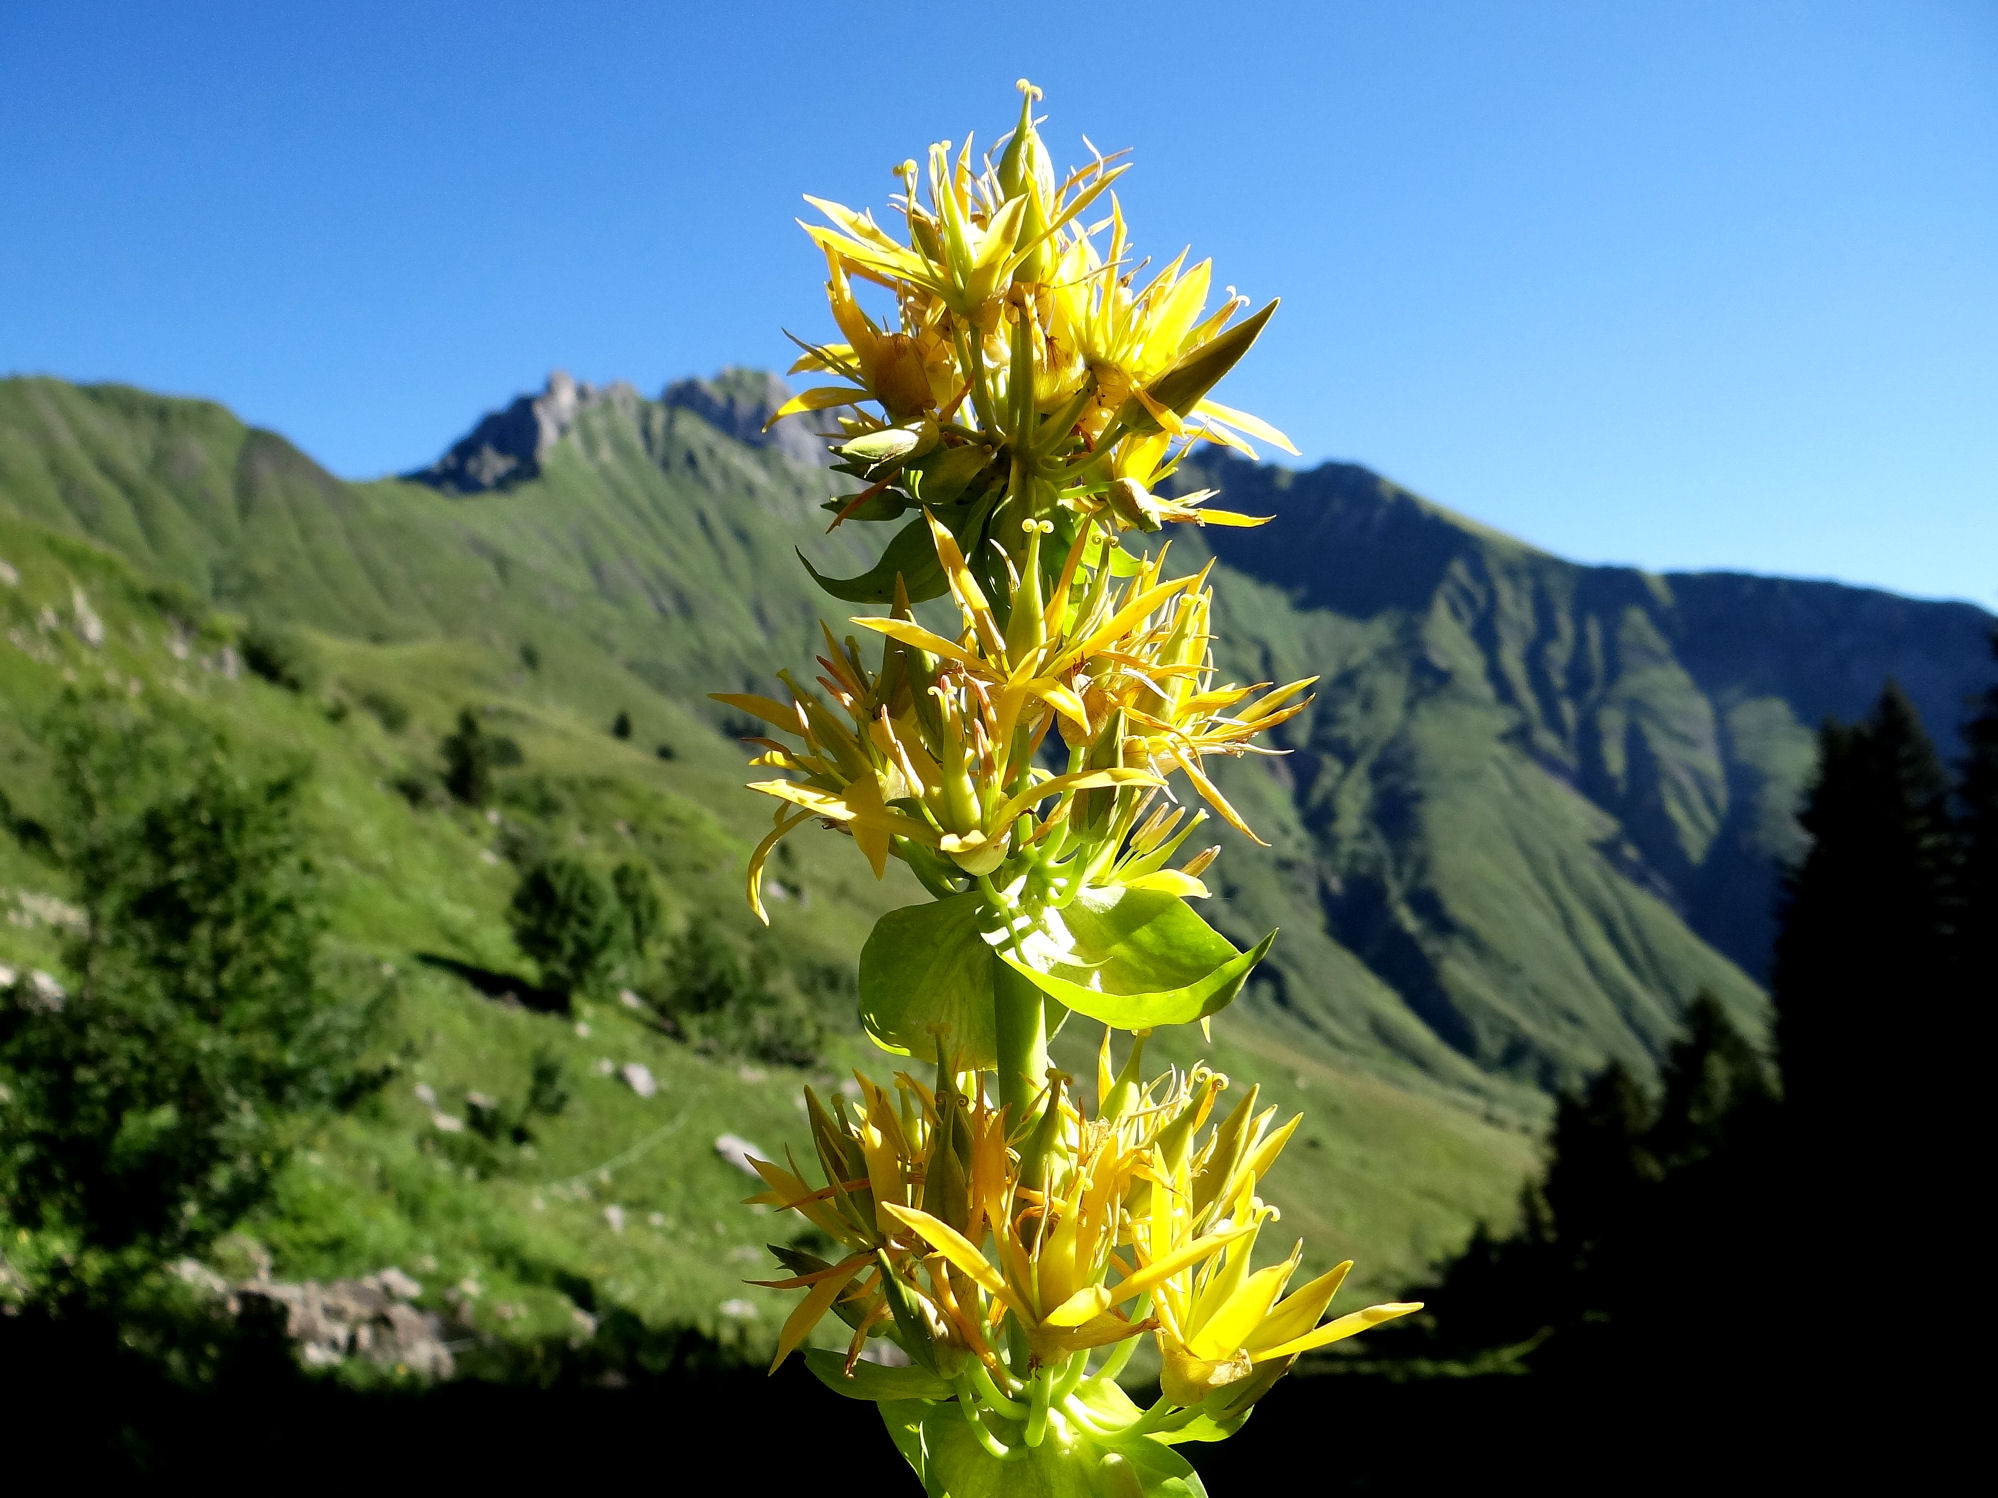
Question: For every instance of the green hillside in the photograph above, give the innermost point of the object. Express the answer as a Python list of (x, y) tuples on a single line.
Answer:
[(648, 560), (1536, 807)]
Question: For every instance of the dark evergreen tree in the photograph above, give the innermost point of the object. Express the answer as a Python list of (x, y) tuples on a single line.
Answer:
[(638, 898), (468, 761), (1716, 1085), (621, 725), (1977, 887), (1863, 985), (567, 922)]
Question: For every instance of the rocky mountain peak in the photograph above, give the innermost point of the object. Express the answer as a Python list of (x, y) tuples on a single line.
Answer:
[(507, 446)]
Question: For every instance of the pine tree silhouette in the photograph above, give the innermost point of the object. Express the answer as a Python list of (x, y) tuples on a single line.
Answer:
[(1977, 884), (1863, 988)]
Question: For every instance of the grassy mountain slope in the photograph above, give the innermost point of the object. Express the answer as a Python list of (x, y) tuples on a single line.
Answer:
[(648, 559), (1548, 802)]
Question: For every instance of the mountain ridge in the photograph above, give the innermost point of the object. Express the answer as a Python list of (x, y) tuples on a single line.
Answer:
[(1538, 804)]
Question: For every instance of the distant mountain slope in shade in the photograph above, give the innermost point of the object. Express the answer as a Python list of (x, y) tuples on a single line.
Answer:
[(1535, 809), (1683, 705)]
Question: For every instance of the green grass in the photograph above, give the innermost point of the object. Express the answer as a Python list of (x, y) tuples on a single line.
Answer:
[(1388, 1177)]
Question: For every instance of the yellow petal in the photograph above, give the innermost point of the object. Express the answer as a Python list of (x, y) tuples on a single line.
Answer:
[(962, 1254), (818, 398), (1229, 1327), (774, 713), (1086, 1304), (1165, 1268), (1082, 780), (798, 1325), (1337, 1331), (761, 856), (1298, 1312), (1170, 882)]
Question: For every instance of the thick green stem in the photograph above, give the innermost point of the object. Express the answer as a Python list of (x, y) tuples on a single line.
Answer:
[(1023, 1044)]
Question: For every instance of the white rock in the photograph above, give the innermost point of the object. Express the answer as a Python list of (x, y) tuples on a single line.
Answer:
[(8, 575), (486, 855), (605, 1067), (657, 1219), (737, 1151), (426, 1094), (447, 1123), (638, 1077), (629, 999), (8, 977), (89, 628), (614, 1218), (394, 1282), (738, 1309), (582, 1030)]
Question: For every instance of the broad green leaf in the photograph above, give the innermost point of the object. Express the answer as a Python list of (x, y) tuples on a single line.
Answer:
[(1161, 1471), (945, 476), (904, 1419), (1197, 1425), (926, 970), (1134, 958), (871, 1381), (911, 554), (886, 504)]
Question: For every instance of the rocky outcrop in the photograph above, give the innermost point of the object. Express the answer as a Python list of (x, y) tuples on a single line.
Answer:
[(508, 446), (739, 402), (371, 1318)]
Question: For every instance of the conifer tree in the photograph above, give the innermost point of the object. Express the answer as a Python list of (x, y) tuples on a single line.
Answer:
[(1714, 1084), (1863, 986), (1600, 1165), (1977, 885)]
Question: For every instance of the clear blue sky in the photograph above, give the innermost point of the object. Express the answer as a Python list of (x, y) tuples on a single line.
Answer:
[(1686, 285)]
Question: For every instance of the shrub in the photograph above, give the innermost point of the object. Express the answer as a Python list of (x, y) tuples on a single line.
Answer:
[(639, 898), (151, 1107), (468, 761), (387, 710), (621, 725), (566, 922), (530, 655), (281, 656), (724, 1006)]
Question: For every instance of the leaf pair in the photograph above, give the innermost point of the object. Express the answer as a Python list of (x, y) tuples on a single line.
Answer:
[(1131, 958)]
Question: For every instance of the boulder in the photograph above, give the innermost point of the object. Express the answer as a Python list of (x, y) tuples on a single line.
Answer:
[(738, 1152)]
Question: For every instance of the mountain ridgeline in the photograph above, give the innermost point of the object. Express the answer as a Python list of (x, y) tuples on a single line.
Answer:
[(1536, 808)]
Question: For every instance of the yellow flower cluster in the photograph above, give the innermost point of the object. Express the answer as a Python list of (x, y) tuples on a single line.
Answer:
[(1066, 1247), (938, 751), (1024, 351)]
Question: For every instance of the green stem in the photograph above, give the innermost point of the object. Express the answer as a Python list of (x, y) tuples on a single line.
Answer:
[(1023, 1043)]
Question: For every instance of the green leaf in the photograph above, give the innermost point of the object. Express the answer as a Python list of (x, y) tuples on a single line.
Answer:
[(946, 475), (904, 1419), (1197, 1425), (888, 504), (871, 1381), (1134, 958), (925, 970), (912, 554)]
